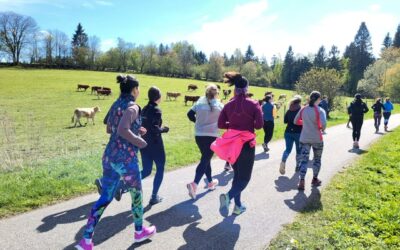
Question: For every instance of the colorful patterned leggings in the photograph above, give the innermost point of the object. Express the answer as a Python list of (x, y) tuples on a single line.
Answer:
[(305, 156), (111, 175)]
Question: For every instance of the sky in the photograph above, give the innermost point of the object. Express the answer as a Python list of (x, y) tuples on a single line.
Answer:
[(269, 26)]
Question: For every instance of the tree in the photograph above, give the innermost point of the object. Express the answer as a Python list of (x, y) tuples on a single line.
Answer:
[(238, 59), (16, 32), (387, 42), (333, 61), (185, 52), (227, 62), (215, 67), (249, 55), (287, 69), (326, 81), (393, 82), (94, 49), (372, 85), (200, 57), (300, 66), (396, 39), (49, 46), (359, 53), (79, 43), (320, 58)]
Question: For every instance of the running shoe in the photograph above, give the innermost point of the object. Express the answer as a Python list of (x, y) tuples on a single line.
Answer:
[(282, 168), (224, 205), (265, 147), (316, 182), (212, 185), (192, 187), (155, 199), (239, 210), (227, 167), (147, 233), (84, 246), (301, 185)]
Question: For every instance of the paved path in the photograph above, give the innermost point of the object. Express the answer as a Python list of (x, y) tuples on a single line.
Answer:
[(272, 200)]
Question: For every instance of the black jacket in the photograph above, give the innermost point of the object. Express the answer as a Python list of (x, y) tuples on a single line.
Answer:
[(378, 108), (152, 122), (357, 109), (289, 120)]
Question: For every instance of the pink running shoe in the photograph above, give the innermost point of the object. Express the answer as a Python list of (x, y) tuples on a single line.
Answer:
[(83, 246), (146, 233), (192, 187), (212, 185)]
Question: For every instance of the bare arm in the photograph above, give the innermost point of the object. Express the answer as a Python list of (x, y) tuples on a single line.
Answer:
[(129, 116)]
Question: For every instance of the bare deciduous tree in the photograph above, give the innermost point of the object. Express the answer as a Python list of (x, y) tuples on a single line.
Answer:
[(16, 32)]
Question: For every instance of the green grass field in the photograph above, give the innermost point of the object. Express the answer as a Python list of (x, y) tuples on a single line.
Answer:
[(359, 209), (43, 159)]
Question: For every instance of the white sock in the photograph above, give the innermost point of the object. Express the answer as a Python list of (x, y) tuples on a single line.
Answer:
[(88, 241)]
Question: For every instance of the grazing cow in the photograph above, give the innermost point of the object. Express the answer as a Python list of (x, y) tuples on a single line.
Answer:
[(192, 87), (104, 88), (261, 102), (192, 99), (82, 86), (103, 92), (282, 97), (249, 95), (219, 87), (171, 95), (269, 93), (88, 113), (226, 92), (95, 88)]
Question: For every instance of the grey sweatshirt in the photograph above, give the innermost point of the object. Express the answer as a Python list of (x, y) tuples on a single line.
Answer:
[(310, 132)]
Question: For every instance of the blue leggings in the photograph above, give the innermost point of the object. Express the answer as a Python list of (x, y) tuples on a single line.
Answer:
[(305, 157), (290, 139), (154, 153)]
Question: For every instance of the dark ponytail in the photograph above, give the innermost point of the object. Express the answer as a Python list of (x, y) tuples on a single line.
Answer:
[(234, 78), (127, 83), (314, 96)]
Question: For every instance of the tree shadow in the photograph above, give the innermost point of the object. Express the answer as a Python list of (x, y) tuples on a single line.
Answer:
[(261, 156), (73, 127), (178, 215), (301, 203), (284, 184), (64, 217), (358, 151), (223, 235)]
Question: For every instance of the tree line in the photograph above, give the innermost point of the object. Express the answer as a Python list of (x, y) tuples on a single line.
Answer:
[(20, 39)]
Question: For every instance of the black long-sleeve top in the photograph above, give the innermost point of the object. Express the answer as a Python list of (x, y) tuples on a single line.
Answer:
[(152, 122)]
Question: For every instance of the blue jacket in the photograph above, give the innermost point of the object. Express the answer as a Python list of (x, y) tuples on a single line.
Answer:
[(388, 107), (267, 110)]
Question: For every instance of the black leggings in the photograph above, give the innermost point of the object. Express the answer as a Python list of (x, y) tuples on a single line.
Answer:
[(268, 130), (243, 168), (204, 167), (357, 124)]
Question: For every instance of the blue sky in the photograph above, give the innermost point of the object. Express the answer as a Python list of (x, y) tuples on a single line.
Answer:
[(270, 26)]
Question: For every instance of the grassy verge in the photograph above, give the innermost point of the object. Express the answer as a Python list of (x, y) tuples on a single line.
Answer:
[(359, 209)]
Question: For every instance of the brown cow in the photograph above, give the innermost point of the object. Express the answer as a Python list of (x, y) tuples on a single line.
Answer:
[(192, 99), (249, 95), (103, 92), (219, 87), (226, 92), (192, 87), (104, 88), (82, 86), (171, 95), (95, 88), (282, 97), (84, 112)]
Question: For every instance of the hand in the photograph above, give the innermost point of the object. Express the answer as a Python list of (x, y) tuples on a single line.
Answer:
[(142, 131), (165, 129)]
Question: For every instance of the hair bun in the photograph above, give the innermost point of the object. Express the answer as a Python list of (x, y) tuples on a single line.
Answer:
[(121, 79)]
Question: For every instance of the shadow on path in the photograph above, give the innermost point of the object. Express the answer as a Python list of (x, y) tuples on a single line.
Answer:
[(358, 151), (284, 184), (261, 156), (304, 204), (223, 235)]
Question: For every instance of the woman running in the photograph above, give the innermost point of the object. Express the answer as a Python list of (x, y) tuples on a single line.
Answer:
[(120, 159), (205, 115), (292, 133), (241, 116), (154, 152), (356, 111), (377, 108), (388, 107), (268, 115), (313, 119)]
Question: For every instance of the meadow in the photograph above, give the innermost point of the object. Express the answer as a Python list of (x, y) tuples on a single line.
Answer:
[(43, 159)]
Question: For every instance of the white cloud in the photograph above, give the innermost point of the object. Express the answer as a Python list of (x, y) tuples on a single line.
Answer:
[(253, 24), (107, 44), (17, 5), (104, 3)]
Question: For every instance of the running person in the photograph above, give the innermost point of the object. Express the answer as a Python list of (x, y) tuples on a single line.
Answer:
[(377, 108), (120, 159), (205, 115), (241, 116), (292, 133), (268, 116), (388, 107), (154, 152), (356, 110), (313, 119)]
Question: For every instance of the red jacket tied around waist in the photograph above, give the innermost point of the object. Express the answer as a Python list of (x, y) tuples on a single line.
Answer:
[(230, 144)]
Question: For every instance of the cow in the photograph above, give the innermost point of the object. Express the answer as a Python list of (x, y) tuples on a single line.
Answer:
[(171, 95), (192, 87), (219, 87), (192, 99), (88, 113), (282, 97), (82, 86), (95, 88), (105, 88), (269, 93), (226, 93), (103, 92), (249, 95), (261, 102)]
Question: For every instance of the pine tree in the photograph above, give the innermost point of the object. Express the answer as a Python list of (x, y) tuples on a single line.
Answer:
[(226, 60), (249, 55), (80, 38), (333, 61), (359, 53), (387, 42), (396, 39), (300, 66), (287, 70), (320, 58)]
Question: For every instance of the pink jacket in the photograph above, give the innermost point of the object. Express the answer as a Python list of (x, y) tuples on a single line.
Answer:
[(229, 145)]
